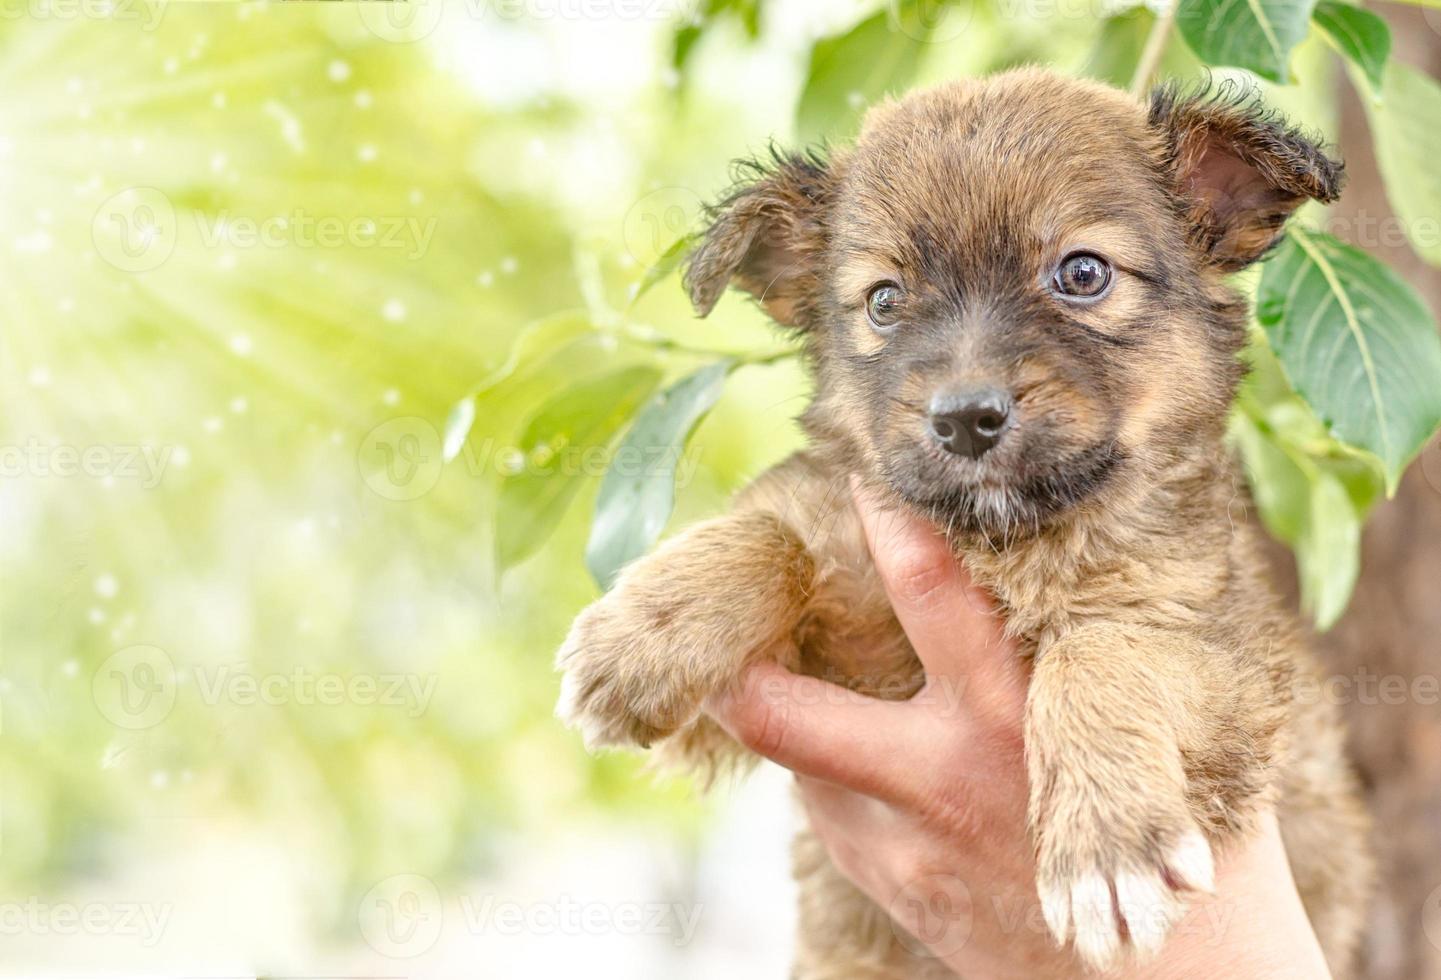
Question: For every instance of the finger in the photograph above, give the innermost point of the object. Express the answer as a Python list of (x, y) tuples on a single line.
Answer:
[(950, 621), (820, 729)]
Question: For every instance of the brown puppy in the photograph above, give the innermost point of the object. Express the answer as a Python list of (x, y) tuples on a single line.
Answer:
[(1013, 295)]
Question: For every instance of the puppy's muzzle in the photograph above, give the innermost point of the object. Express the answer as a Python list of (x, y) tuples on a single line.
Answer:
[(969, 422)]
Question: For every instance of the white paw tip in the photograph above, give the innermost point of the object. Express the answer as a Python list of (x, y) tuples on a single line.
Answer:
[(1192, 863), (1148, 908), (1056, 909), (1097, 934)]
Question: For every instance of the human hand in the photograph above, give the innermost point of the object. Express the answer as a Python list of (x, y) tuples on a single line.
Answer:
[(941, 842)]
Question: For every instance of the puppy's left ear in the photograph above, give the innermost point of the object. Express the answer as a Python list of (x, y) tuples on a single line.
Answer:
[(769, 237), (1238, 169)]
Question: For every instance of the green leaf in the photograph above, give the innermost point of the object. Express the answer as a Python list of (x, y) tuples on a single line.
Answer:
[(1357, 343), (541, 343), (536, 341), (682, 44), (1406, 130), (1328, 551), (1360, 36), (851, 71), (1309, 504), (669, 261), (1118, 47), (1253, 34), (638, 492), (554, 447), (750, 15), (1278, 485), (1116, 52)]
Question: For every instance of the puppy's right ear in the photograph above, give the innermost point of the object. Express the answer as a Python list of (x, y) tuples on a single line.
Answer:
[(1239, 169), (769, 236)]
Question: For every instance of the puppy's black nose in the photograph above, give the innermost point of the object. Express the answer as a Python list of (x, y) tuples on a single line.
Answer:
[(970, 422)]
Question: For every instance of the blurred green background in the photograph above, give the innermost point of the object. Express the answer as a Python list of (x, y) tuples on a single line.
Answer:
[(260, 667)]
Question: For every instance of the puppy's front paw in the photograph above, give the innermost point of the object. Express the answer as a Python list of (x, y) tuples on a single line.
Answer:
[(628, 679), (1113, 877)]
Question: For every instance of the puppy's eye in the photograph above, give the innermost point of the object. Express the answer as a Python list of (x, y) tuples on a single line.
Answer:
[(1082, 275), (883, 305)]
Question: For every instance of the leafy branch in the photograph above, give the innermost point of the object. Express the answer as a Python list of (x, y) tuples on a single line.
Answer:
[(1345, 386)]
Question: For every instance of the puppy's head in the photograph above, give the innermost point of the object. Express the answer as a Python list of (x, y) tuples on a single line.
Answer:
[(1012, 288)]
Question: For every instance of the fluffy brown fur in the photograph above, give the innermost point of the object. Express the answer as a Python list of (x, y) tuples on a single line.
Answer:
[(1108, 521)]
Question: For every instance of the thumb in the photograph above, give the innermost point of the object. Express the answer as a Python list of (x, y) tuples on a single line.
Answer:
[(820, 729)]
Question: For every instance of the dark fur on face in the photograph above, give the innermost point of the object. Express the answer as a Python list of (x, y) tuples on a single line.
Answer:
[(968, 198)]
